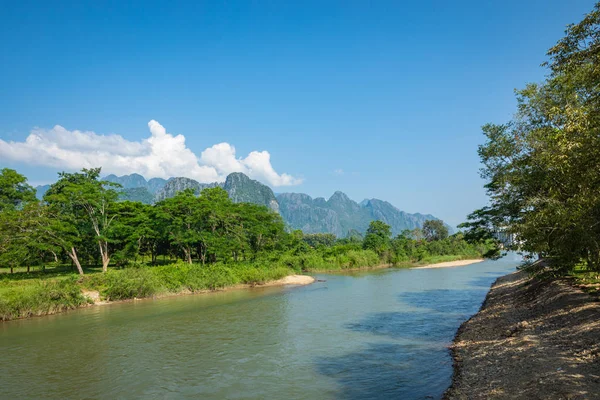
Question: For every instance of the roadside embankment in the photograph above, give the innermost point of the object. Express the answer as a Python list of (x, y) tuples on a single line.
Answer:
[(532, 339)]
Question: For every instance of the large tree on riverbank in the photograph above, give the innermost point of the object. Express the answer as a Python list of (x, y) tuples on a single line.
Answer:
[(85, 202), (543, 167)]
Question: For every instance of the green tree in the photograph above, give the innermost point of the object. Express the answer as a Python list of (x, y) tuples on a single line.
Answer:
[(54, 230), (84, 201), (434, 229), (181, 216), (377, 237), (320, 239), (132, 233), (14, 190), (543, 167)]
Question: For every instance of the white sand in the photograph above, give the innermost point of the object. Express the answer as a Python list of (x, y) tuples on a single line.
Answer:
[(292, 280), (447, 264)]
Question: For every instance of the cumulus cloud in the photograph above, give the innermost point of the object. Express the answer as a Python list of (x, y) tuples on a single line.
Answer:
[(161, 155), (338, 171)]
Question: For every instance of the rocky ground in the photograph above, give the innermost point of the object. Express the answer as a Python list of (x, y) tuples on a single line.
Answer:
[(531, 340)]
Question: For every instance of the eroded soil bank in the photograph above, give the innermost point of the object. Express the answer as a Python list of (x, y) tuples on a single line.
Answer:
[(531, 340)]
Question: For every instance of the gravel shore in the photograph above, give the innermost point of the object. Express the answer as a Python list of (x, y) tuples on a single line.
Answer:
[(530, 340)]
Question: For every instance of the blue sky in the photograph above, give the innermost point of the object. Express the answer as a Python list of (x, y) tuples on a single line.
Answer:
[(376, 99)]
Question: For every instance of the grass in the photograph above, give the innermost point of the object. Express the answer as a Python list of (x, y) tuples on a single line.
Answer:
[(588, 281), (58, 289), (26, 295), (315, 262), (40, 297)]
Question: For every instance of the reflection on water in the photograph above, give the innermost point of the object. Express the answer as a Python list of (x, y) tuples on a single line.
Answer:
[(382, 334)]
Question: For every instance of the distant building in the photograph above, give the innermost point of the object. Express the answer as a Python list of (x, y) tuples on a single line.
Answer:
[(504, 237)]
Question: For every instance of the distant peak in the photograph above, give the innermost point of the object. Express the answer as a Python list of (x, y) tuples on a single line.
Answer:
[(337, 195), (237, 176)]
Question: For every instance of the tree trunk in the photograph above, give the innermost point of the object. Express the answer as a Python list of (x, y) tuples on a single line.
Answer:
[(11, 270), (188, 254), (104, 254), (105, 261), (27, 268), (73, 254)]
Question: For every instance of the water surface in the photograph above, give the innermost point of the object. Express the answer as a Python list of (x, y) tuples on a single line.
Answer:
[(374, 335)]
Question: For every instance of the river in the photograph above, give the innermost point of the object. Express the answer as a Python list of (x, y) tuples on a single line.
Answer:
[(369, 335)]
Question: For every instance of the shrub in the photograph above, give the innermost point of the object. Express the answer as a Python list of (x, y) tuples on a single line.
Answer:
[(127, 283), (41, 297)]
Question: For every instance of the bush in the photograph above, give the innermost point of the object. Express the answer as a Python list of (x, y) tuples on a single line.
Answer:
[(40, 298), (127, 283)]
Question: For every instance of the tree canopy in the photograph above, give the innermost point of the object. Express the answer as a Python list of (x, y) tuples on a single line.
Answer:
[(542, 169)]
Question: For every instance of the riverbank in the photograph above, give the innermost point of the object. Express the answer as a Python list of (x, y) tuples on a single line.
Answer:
[(94, 297), (37, 297), (39, 293), (532, 339), (447, 264)]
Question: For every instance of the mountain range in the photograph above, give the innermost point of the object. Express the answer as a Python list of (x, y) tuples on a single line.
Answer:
[(339, 214)]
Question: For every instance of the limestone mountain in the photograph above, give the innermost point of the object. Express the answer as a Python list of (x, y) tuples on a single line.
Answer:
[(300, 211), (136, 188), (41, 190), (342, 216), (179, 184), (242, 189), (132, 181), (339, 214)]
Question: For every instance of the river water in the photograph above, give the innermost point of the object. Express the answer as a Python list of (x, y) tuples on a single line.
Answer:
[(373, 335)]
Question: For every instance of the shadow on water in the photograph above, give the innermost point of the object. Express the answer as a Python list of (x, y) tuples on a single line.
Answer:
[(414, 325), (417, 364), (388, 370), (447, 301)]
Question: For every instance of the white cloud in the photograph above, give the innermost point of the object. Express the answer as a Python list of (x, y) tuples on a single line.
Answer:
[(160, 155), (338, 171)]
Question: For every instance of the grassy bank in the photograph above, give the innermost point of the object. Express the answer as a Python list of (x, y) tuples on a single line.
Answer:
[(55, 290), (41, 294)]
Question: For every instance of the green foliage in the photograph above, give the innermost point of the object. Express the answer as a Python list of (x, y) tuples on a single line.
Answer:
[(316, 240), (128, 283), (140, 194), (81, 201), (377, 237), (139, 282), (192, 243), (40, 297), (14, 190), (434, 229), (543, 167)]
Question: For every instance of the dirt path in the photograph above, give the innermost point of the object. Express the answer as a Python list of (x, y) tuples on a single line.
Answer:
[(530, 340)]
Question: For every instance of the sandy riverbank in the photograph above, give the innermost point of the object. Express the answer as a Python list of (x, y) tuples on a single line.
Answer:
[(530, 340), (296, 280), (447, 264)]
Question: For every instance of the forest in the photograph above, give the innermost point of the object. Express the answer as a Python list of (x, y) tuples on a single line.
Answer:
[(82, 237)]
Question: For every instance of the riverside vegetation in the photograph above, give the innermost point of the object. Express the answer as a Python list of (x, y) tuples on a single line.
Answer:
[(81, 237), (543, 167), (536, 335)]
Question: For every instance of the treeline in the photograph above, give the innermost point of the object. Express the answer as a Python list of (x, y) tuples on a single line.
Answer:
[(543, 167), (80, 221)]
